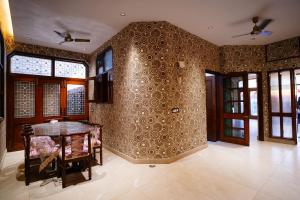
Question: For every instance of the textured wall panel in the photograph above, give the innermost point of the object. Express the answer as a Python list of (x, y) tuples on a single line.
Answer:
[(140, 123)]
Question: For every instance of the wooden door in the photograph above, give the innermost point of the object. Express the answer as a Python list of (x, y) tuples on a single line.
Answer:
[(22, 104), (282, 101), (211, 108), (235, 112)]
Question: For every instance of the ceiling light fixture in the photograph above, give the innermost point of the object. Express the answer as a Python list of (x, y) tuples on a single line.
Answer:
[(123, 14)]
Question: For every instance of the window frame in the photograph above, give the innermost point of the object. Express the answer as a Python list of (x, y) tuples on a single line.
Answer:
[(53, 59)]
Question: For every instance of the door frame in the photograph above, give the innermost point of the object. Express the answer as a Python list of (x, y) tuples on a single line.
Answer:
[(219, 100), (280, 114), (218, 86)]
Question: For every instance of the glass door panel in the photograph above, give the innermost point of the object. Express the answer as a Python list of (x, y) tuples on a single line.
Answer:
[(286, 91), (287, 127), (24, 99), (253, 103), (274, 86), (276, 126), (51, 99)]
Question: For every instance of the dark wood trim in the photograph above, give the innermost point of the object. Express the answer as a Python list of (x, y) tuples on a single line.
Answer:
[(260, 104), (293, 104)]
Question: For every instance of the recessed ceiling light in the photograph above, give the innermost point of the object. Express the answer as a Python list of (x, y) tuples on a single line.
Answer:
[(123, 14)]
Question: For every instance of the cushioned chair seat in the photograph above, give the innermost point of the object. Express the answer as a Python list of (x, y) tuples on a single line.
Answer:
[(42, 146), (69, 155)]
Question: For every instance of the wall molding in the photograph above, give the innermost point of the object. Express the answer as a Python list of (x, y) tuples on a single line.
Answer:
[(156, 161)]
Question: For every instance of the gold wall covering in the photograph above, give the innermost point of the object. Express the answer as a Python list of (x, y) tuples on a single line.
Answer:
[(139, 124)]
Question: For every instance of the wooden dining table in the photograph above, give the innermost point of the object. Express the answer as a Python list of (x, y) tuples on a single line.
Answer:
[(57, 129), (60, 128)]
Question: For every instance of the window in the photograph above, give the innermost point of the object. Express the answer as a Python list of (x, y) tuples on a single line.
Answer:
[(24, 99), (70, 70), (30, 65), (75, 99), (51, 99)]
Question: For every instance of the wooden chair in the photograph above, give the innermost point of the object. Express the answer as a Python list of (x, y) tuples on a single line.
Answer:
[(34, 148), (74, 149), (96, 142)]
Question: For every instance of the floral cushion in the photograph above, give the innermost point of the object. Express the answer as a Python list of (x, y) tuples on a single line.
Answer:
[(95, 140), (74, 147), (41, 146)]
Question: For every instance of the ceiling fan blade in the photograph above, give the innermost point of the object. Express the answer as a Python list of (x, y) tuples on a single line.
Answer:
[(60, 34), (62, 42), (264, 23), (235, 36), (81, 40), (265, 33)]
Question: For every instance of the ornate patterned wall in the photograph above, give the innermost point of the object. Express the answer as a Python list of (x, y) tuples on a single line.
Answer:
[(253, 59), (283, 49), (148, 84)]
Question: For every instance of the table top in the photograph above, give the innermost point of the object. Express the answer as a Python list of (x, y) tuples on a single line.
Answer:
[(60, 128)]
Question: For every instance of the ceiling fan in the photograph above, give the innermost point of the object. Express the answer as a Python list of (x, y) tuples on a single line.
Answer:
[(258, 29), (68, 38)]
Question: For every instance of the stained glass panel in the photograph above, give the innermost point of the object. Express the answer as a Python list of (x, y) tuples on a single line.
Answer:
[(51, 99), (75, 99), (30, 65), (24, 99), (70, 69)]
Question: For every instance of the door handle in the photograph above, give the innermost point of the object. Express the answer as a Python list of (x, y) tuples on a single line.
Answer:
[(246, 117)]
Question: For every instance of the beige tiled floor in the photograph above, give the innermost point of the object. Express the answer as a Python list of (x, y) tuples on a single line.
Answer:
[(222, 171)]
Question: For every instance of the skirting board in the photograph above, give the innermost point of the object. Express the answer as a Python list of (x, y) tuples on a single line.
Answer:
[(156, 161), (2, 159), (282, 141)]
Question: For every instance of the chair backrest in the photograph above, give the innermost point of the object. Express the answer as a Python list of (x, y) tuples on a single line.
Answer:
[(99, 131), (76, 146), (27, 131)]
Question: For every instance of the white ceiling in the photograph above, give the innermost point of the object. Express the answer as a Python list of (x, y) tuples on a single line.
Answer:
[(214, 20)]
